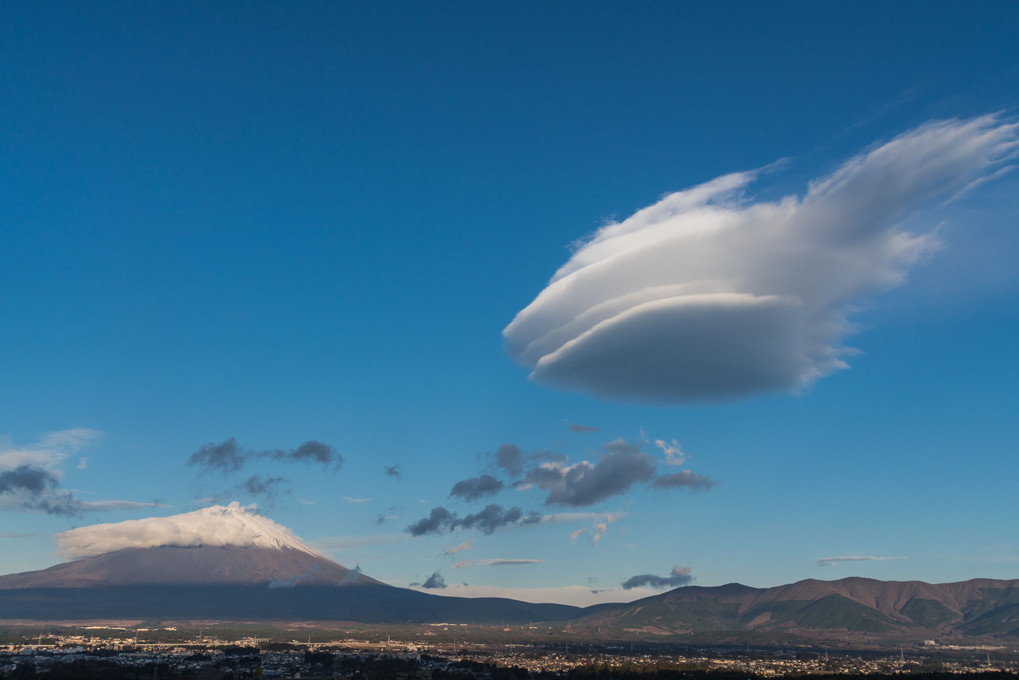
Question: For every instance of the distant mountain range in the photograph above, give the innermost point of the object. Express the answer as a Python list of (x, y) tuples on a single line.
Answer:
[(865, 607), (286, 583)]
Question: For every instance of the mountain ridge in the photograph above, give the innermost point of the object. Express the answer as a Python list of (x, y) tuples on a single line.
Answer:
[(249, 582)]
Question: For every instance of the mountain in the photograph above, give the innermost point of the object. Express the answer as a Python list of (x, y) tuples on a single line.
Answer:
[(864, 607), (227, 563), (239, 583), (192, 566)]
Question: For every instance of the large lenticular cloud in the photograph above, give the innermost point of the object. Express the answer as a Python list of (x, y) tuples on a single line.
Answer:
[(707, 296)]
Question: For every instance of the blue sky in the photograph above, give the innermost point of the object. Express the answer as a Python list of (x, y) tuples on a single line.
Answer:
[(285, 224)]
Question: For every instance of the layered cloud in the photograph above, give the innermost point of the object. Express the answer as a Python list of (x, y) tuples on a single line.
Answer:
[(680, 576), (218, 525), (707, 295)]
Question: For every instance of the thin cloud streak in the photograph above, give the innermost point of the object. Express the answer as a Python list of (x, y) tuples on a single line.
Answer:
[(831, 561)]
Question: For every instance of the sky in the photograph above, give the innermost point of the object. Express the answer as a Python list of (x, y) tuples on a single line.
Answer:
[(571, 301)]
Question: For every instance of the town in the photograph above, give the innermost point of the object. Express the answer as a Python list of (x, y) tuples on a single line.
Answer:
[(436, 653)]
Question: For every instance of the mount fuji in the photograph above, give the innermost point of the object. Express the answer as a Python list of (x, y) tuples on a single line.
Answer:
[(226, 563)]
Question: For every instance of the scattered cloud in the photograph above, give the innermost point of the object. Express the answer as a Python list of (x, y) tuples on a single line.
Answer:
[(710, 295), (226, 456), (599, 526), (434, 581), (352, 499), (16, 535), (586, 483), (264, 486), (582, 516), (229, 456), (673, 453), (461, 564), (583, 428), (30, 477), (680, 576), (393, 470), (829, 561), (476, 487), (683, 479), (504, 562), (492, 517), (510, 458), (466, 545)]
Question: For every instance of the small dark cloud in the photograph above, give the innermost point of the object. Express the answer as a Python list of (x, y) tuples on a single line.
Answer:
[(311, 452), (36, 489), (26, 478), (584, 483), (492, 517), (226, 457), (266, 487), (681, 479), (439, 521), (57, 504), (229, 456), (476, 487), (434, 581), (510, 458), (393, 470), (621, 446), (583, 428), (680, 576)]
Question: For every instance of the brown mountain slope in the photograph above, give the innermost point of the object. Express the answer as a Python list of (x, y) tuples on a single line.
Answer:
[(980, 606), (204, 565)]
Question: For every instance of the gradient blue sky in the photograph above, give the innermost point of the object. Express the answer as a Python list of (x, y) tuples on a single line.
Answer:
[(281, 223)]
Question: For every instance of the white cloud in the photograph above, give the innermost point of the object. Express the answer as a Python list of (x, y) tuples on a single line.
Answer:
[(502, 562), (351, 499), (673, 453), (466, 545), (50, 451), (829, 561), (708, 296), (217, 525)]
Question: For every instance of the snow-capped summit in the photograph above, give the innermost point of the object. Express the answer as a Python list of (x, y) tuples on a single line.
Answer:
[(217, 525)]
